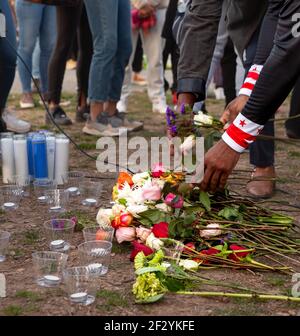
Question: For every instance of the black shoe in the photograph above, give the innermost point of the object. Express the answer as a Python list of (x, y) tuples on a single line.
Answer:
[(59, 116), (82, 113)]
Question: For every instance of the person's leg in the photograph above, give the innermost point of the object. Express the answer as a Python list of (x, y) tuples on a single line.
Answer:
[(122, 57), (293, 125), (36, 61), (228, 64), (29, 18), (137, 63), (7, 59), (47, 41), (85, 54), (122, 105), (153, 47), (67, 21)]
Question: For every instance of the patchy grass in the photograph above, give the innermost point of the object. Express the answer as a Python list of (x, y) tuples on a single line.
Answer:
[(31, 237), (29, 295), (121, 248), (111, 299), (13, 310), (83, 219), (294, 154)]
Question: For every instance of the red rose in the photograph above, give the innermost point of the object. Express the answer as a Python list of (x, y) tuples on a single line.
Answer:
[(161, 230), (123, 220), (158, 170), (239, 255), (138, 247), (189, 247), (209, 252)]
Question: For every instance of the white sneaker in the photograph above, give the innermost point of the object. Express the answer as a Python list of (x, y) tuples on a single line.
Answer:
[(14, 124), (121, 107), (219, 93), (160, 107)]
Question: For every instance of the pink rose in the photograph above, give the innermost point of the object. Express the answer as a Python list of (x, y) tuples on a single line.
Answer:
[(125, 234), (158, 170), (151, 192), (142, 233), (174, 201)]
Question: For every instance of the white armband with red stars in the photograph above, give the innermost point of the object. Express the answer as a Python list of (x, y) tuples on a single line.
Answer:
[(251, 80), (241, 133)]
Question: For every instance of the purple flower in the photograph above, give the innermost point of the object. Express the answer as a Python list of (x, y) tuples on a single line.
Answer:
[(169, 111), (174, 129), (182, 109)]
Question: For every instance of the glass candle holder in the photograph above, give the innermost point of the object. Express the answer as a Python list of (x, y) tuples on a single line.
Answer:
[(48, 267), (81, 285), (90, 192), (23, 183), (10, 196), (41, 186), (72, 181), (97, 233), (57, 200), (4, 241), (59, 233), (95, 255)]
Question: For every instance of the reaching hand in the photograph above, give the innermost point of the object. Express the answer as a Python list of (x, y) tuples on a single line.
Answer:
[(233, 109), (219, 163), (146, 11)]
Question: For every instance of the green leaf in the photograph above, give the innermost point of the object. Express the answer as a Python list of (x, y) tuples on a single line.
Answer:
[(149, 270), (151, 299), (230, 213), (174, 285), (189, 219), (205, 200), (122, 201)]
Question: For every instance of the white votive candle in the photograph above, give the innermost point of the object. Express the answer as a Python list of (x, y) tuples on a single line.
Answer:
[(95, 268), (9, 205), (90, 201), (42, 199), (56, 208), (79, 297), (73, 191), (57, 244), (51, 280)]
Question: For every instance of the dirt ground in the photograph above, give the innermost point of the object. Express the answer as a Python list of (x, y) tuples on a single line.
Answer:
[(114, 297)]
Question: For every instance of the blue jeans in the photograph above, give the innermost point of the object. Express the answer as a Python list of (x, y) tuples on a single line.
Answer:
[(35, 21), (7, 55), (110, 22)]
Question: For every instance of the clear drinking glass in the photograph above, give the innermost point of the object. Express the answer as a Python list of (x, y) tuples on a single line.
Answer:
[(59, 233), (4, 241), (81, 285), (57, 200), (10, 196), (97, 233), (95, 255), (71, 182), (23, 183), (48, 267), (90, 192), (41, 186)]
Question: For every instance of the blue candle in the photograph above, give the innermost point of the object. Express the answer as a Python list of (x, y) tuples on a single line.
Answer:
[(30, 155), (39, 150)]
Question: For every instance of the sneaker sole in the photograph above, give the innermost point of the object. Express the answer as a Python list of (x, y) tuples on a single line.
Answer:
[(92, 131), (20, 131), (25, 106)]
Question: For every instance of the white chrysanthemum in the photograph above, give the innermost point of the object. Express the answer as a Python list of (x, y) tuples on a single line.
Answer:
[(135, 210), (203, 119), (153, 242), (117, 209), (140, 179), (189, 265), (104, 217)]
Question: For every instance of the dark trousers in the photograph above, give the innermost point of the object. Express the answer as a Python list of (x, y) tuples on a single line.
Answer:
[(70, 20), (137, 64), (7, 55), (171, 48), (262, 152), (85, 53)]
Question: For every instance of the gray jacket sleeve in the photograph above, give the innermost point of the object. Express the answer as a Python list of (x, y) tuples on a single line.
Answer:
[(197, 43)]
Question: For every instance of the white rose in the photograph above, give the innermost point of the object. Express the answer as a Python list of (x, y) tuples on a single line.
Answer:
[(117, 209), (153, 242), (189, 265), (163, 207), (214, 230), (104, 216), (140, 179), (203, 119), (188, 145), (136, 209)]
